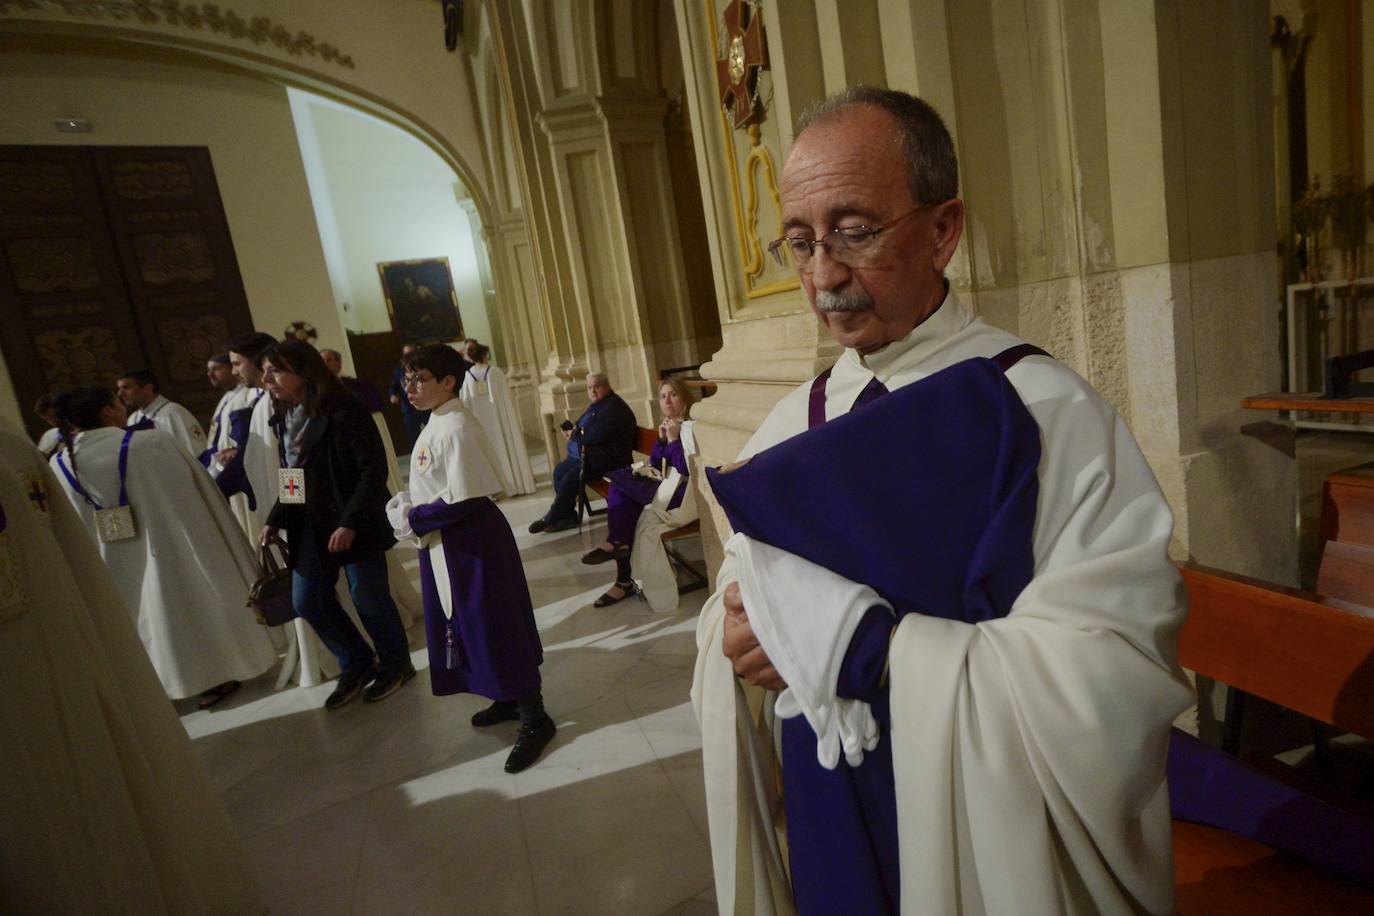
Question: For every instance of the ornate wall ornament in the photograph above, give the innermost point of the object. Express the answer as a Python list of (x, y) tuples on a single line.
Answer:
[(303, 331), (260, 30), (746, 53), (758, 166)]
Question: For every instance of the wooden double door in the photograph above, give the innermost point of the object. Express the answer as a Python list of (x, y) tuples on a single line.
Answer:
[(111, 259)]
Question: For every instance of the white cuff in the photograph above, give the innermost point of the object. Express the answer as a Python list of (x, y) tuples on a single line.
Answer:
[(804, 616)]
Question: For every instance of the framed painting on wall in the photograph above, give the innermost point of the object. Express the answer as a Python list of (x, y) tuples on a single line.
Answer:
[(420, 300)]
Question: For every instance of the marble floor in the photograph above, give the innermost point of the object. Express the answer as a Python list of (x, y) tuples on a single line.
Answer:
[(402, 807)]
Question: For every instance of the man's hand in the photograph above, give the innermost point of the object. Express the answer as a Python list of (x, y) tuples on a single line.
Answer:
[(395, 399), (267, 534), (742, 647), (341, 540), (226, 455)]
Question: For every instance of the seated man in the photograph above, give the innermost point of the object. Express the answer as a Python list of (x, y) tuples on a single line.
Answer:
[(603, 438), (138, 390)]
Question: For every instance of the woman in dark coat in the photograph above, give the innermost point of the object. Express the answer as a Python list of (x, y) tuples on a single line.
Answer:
[(332, 506)]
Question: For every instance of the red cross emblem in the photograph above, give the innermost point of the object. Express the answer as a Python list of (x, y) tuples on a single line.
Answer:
[(291, 487)]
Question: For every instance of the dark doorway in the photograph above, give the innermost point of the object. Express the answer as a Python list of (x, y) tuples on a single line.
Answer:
[(114, 258)]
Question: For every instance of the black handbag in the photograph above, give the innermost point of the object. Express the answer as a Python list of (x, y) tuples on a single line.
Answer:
[(270, 596)]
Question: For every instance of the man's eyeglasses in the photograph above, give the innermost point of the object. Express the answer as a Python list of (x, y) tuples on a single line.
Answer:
[(415, 381), (850, 245)]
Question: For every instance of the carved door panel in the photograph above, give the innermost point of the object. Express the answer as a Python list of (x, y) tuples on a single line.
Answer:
[(66, 317), (168, 225), (114, 258)]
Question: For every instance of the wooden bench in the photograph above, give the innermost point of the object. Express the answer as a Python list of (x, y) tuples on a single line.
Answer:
[(1303, 651), (645, 441)]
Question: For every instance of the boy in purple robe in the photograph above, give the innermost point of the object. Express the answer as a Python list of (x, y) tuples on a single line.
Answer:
[(479, 620)]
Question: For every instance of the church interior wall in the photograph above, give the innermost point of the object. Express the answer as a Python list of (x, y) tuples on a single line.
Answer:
[(390, 198), (246, 124)]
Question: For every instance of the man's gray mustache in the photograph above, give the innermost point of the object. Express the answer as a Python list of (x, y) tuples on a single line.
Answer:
[(849, 300)]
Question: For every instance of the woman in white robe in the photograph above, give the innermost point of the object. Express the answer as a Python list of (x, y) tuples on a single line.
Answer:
[(486, 393), (187, 568), (104, 805)]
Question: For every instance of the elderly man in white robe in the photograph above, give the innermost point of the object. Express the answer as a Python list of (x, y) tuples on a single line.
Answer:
[(1021, 764), (138, 390), (486, 394), (104, 805), (166, 535)]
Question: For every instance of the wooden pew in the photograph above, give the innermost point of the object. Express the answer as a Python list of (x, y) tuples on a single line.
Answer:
[(696, 577), (1311, 654)]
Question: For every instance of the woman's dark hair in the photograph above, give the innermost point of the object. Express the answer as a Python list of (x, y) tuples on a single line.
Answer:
[(441, 360), (79, 409), (479, 352), (323, 390)]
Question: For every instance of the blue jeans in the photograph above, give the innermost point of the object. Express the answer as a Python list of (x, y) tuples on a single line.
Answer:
[(312, 592)]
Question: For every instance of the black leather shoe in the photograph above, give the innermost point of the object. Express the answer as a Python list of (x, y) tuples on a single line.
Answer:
[(562, 524), (531, 743), (387, 683), (599, 555), (500, 711), (351, 683), (538, 525)]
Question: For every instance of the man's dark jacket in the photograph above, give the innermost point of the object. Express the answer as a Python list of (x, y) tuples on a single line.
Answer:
[(345, 484), (606, 434)]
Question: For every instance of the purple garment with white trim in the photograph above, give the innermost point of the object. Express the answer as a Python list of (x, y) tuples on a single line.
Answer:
[(499, 651), (928, 495)]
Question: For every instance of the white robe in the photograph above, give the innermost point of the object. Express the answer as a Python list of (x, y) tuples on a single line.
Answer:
[(187, 573), (1028, 751), (649, 560), (104, 806), (50, 440), (486, 394), (172, 418)]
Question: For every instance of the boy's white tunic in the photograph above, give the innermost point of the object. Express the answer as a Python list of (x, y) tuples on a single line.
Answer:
[(176, 420), (187, 573), (486, 394), (1028, 751), (104, 806)]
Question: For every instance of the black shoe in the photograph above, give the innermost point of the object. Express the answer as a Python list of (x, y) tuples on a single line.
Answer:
[(387, 683), (562, 524), (599, 555), (530, 744), (500, 711), (627, 591), (351, 683), (538, 525)]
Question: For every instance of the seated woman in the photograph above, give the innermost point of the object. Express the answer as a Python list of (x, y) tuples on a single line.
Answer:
[(631, 492)]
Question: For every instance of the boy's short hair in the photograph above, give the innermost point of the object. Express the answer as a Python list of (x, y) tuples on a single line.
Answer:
[(441, 360)]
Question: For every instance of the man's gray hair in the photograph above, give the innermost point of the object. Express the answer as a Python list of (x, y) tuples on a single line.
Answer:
[(932, 168), (599, 377)]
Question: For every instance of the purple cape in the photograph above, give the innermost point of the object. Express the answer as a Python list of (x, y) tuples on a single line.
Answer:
[(928, 495)]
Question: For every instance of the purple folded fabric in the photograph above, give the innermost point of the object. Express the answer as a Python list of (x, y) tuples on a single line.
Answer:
[(927, 494), (1209, 786)]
